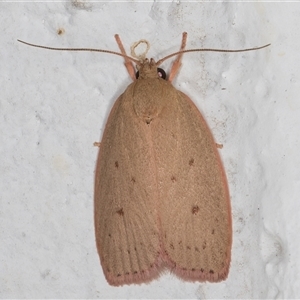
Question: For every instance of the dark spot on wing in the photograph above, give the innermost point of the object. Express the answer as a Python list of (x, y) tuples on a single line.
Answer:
[(195, 209), (120, 212), (191, 162)]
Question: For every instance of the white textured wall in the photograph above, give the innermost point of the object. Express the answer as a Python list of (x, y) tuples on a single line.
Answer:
[(53, 108)]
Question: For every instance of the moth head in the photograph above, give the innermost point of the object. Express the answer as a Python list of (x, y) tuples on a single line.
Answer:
[(149, 69)]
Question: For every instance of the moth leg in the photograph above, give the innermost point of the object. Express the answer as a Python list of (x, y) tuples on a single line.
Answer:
[(97, 144), (128, 63), (177, 63)]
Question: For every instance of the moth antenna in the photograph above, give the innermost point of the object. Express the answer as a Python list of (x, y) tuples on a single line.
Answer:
[(208, 50), (81, 49)]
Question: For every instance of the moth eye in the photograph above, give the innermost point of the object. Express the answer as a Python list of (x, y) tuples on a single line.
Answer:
[(161, 73)]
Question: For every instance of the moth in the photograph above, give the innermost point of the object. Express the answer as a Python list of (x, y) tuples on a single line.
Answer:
[(161, 194)]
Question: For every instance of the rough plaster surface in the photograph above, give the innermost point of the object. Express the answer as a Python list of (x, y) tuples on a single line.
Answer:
[(54, 106)]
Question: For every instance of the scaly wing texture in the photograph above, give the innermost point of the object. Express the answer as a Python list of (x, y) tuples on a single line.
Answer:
[(126, 226), (194, 205), (161, 194)]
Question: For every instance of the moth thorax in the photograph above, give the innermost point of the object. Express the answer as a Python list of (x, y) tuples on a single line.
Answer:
[(149, 97)]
